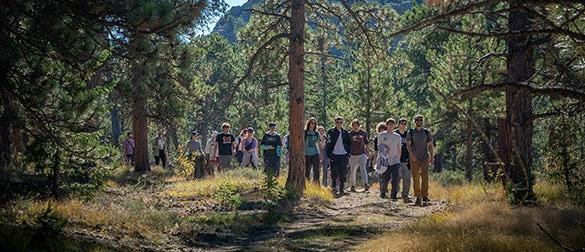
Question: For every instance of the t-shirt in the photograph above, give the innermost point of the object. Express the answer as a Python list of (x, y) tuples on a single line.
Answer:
[(271, 141), (404, 155), (249, 144), (311, 140), (358, 140), (391, 142), (420, 139), (225, 141)]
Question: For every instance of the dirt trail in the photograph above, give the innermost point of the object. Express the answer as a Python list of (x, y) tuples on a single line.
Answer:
[(348, 221)]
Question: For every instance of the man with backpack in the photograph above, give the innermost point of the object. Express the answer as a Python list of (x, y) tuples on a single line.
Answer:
[(338, 142), (419, 142)]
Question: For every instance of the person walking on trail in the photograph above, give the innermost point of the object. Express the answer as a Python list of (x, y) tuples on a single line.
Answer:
[(323, 156), (312, 159), (389, 150), (338, 142), (419, 142), (404, 166), (193, 146), (209, 152), (358, 157), (249, 148), (224, 149), (128, 148), (194, 152), (159, 149), (271, 145), (239, 152)]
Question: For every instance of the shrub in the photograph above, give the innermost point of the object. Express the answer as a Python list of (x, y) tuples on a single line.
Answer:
[(449, 178)]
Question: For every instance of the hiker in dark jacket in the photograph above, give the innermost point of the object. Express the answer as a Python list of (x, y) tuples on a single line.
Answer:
[(338, 142)]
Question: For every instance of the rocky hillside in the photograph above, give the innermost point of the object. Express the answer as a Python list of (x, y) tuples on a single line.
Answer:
[(237, 17)]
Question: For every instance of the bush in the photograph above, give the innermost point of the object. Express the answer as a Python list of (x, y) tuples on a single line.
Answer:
[(449, 178)]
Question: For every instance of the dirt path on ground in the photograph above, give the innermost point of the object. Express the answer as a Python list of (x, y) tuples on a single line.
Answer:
[(345, 223)]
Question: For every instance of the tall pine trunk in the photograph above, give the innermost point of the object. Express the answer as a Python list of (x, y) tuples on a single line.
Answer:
[(295, 183), (520, 68), (139, 107)]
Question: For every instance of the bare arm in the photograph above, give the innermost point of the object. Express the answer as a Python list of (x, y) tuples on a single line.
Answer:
[(411, 155), (431, 154)]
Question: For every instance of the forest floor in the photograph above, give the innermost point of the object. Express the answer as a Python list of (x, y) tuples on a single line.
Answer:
[(163, 211)]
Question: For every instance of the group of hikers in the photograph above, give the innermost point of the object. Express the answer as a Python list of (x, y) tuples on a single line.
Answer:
[(401, 154)]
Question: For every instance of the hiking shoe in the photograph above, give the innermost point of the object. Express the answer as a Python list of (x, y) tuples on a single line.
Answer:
[(407, 200), (426, 199), (352, 189), (394, 198), (418, 202), (366, 188), (383, 196)]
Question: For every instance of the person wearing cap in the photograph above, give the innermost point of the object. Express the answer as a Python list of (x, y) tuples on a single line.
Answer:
[(193, 146), (271, 146), (419, 142), (249, 148), (224, 148)]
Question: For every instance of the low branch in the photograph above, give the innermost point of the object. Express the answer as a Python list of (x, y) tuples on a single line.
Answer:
[(280, 15), (555, 240), (547, 91), (325, 55)]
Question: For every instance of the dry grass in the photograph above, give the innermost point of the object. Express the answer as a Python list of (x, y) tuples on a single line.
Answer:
[(241, 179), (481, 220), (315, 191), (130, 216)]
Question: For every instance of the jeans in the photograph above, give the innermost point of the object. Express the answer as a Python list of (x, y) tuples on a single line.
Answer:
[(406, 178), (338, 171), (355, 162), (391, 173), (161, 157), (312, 162), (271, 165), (326, 172)]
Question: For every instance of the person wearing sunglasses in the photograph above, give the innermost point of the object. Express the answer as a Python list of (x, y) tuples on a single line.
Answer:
[(312, 160), (338, 142), (404, 166), (419, 142)]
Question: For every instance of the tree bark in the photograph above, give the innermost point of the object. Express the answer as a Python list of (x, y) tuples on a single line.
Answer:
[(520, 68), (140, 123), (295, 183), (324, 80)]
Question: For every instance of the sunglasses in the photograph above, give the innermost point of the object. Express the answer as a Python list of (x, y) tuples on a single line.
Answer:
[(338, 121), (403, 123), (418, 120)]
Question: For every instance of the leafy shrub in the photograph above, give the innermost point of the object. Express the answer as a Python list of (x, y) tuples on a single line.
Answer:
[(227, 195), (449, 178)]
